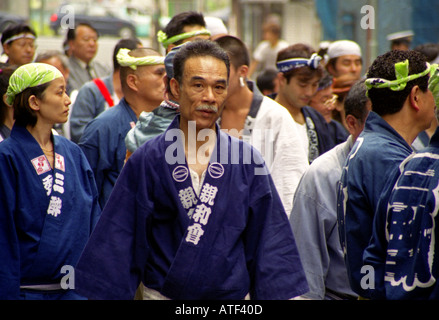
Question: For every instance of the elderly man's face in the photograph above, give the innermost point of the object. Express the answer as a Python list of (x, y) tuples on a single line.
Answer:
[(85, 44), (203, 91)]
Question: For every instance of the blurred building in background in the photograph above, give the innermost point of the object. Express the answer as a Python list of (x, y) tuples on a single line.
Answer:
[(309, 21)]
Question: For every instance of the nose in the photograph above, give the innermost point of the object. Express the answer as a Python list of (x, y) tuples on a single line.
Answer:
[(330, 106), (67, 101), (209, 95), (309, 91), (355, 67)]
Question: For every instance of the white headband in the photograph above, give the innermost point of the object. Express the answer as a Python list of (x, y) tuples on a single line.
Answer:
[(343, 48), (25, 35)]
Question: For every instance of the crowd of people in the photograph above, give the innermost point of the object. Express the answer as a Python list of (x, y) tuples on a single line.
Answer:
[(215, 172)]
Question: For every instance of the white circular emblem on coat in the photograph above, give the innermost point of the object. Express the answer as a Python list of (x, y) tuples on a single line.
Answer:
[(216, 170), (180, 173)]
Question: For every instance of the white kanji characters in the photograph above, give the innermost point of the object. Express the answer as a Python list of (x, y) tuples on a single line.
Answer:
[(208, 194), (187, 197), (47, 183), (59, 183), (55, 206), (202, 214), (194, 233)]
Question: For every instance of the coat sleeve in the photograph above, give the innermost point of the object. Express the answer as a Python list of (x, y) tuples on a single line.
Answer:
[(312, 227), (88, 104), (273, 261), (376, 252), (112, 262), (10, 251)]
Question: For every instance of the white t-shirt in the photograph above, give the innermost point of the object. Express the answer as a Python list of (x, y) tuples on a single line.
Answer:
[(267, 55)]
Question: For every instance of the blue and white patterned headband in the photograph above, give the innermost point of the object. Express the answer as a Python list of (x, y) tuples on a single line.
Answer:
[(294, 63)]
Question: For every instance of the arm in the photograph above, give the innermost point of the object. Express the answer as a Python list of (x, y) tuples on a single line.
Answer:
[(88, 104), (289, 160), (272, 257), (312, 222), (10, 251), (95, 145), (112, 263)]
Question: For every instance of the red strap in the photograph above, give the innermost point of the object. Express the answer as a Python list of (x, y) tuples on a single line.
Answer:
[(103, 89)]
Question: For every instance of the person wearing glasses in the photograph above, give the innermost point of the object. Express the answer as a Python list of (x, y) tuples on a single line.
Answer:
[(324, 101)]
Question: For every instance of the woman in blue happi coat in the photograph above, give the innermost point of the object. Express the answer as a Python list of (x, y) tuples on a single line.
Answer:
[(49, 201)]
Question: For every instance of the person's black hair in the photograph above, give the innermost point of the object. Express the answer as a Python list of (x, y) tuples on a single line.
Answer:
[(181, 20), (198, 48), (24, 115), (356, 101), (131, 43), (429, 50), (236, 49), (326, 80), (71, 32), (299, 50), (387, 101), (16, 29), (265, 80), (5, 73)]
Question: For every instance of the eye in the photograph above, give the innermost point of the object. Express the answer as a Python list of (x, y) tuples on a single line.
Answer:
[(220, 87), (198, 85)]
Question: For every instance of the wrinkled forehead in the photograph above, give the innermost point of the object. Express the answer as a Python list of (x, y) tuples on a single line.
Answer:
[(204, 65), (349, 58)]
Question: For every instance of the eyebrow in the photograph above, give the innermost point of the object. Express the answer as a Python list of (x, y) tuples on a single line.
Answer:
[(195, 78)]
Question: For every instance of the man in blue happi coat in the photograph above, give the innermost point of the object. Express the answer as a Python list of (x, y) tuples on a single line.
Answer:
[(403, 249), (194, 213), (103, 141), (314, 215), (402, 106)]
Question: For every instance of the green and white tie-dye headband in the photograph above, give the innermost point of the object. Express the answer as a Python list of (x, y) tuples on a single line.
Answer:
[(433, 83), (163, 38), (125, 60), (30, 75), (402, 77)]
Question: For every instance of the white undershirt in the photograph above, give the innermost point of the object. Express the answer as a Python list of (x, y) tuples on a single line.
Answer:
[(303, 136), (196, 181)]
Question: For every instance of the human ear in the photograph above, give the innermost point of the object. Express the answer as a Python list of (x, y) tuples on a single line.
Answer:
[(34, 103), (175, 88), (414, 97), (131, 81)]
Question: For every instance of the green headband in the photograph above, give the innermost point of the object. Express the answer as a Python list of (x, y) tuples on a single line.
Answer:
[(433, 83), (163, 38), (30, 75), (402, 77), (125, 60)]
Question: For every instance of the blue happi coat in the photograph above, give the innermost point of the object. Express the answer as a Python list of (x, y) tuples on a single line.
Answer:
[(46, 215), (103, 143), (232, 239), (376, 153), (403, 250)]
